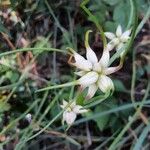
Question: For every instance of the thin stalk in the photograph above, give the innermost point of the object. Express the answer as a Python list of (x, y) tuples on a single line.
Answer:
[(58, 86), (32, 49), (49, 107), (63, 30), (97, 101), (95, 20), (143, 21), (133, 77)]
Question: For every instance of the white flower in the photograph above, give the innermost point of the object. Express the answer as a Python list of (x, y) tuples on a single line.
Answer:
[(29, 117), (117, 40), (71, 111), (94, 73)]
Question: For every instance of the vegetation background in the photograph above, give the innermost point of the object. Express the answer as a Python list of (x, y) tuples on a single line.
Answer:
[(33, 55)]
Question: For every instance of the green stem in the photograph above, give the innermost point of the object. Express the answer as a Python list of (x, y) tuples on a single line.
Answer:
[(87, 39), (32, 49), (143, 21), (133, 77), (134, 22), (93, 103), (58, 86), (131, 14), (94, 19), (49, 107)]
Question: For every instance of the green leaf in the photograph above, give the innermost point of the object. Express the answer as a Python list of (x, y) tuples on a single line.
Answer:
[(106, 121), (110, 26), (111, 2), (99, 10), (119, 86), (142, 6), (102, 122), (141, 138), (80, 99), (55, 110), (12, 76), (121, 14), (4, 106), (115, 123)]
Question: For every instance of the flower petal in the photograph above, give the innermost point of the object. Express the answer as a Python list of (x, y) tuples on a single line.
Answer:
[(125, 36), (91, 91), (110, 35), (111, 70), (69, 117), (104, 61), (88, 79), (80, 73), (110, 46), (82, 63), (79, 109), (65, 103), (119, 31), (91, 56), (105, 83)]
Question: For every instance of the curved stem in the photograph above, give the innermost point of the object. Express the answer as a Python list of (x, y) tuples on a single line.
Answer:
[(94, 19)]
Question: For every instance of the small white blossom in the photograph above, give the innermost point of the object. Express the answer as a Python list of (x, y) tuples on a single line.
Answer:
[(117, 40), (94, 73), (29, 117), (71, 111)]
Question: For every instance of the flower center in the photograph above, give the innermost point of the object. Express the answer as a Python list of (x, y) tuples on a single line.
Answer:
[(98, 68)]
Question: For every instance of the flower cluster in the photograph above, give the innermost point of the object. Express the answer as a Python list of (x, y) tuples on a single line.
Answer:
[(93, 72)]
